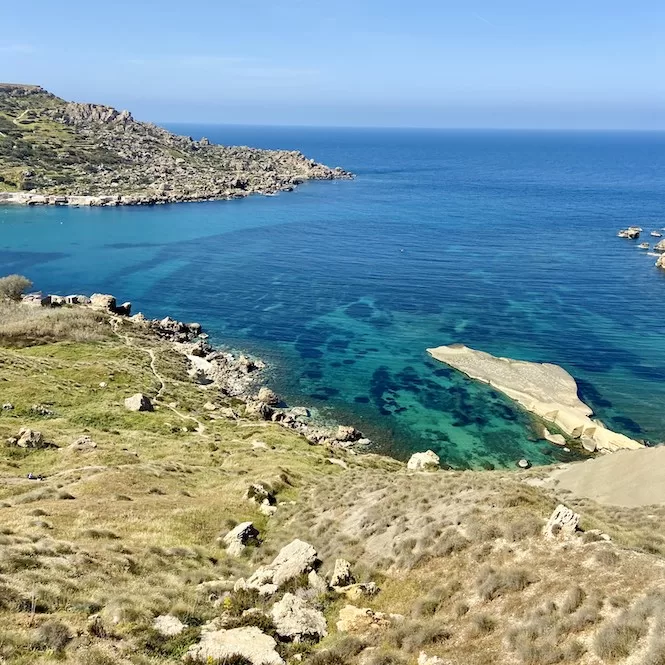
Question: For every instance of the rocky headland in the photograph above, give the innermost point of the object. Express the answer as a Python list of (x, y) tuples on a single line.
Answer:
[(54, 152), (544, 389)]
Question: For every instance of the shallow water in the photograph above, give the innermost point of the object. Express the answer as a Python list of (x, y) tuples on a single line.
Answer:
[(503, 241)]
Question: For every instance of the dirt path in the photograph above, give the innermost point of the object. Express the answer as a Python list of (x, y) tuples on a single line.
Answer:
[(200, 427)]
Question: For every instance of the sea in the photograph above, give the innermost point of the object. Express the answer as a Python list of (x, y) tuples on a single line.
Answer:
[(501, 240)]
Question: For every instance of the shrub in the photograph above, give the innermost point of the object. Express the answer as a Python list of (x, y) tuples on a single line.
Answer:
[(573, 600), (493, 583), (53, 635), (12, 287), (174, 646), (618, 638)]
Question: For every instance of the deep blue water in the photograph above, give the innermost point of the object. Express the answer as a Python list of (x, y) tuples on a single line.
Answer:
[(504, 241)]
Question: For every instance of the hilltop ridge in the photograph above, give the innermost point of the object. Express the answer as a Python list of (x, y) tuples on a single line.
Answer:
[(57, 152)]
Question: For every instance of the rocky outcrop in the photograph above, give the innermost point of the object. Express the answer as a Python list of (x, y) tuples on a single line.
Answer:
[(632, 232), (267, 396), (222, 645), (341, 574), (114, 159), (238, 538), (427, 461), (138, 402), (562, 523), (295, 620), (660, 246), (546, 390), (660, 262)]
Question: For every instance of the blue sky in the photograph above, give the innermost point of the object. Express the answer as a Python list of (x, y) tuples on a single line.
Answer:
[(423, 63)]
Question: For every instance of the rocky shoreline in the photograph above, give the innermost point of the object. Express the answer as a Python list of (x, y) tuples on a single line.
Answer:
[(234, 377)]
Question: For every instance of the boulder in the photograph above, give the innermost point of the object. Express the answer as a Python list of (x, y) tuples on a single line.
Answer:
[(125, 309), (341, 575), (29, 438), (660, 262), (316, 582), (292, 560), (299, 412), (77, 300), (222, 645), (589, 444), (82, 444), (524, 464), (632, 232), (268, 397), (7, 406), (424, 659), (138, 402), (356, 592), (427, 461), (256, 409), (103, 301), (347, 434), (295, 620), (660, 246), (362, 620), (237, 539), (562, 523), (168, 625)]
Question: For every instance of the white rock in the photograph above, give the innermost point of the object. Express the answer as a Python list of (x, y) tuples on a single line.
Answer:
[(295, 620), (250, 643), (138, 402), (236, 540), (292, 560), (563, 523), (341, 575), (168, 625), (427, 461), (424, 659)]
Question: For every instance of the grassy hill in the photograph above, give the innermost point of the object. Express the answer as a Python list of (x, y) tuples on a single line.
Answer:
[(121, 532)]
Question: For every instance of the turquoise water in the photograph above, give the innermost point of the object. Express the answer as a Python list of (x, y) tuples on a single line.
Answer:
[(503, 241)]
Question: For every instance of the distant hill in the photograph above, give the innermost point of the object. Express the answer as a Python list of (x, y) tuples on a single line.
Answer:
[(53, 147)]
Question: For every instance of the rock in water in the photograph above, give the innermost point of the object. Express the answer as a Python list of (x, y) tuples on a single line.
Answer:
[(237, 539), (563, 523), (660, 246), (427, 461), (295, 620), (138, 402), (660, 263), (347, 433), (222, 645)]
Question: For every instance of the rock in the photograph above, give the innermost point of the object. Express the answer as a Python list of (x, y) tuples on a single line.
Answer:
[(237, 539), (124, 310), (222, 645), (256, 409), (660, 246), (8, 406), (524, 464), (316, 582), (362, 620), (82, 444), (556, 439), (341, 575), (103, 302), (258, 493), (299, 412), (294, 559), (41, 410), (138, 402), (209, 406), (29, 438), (77, 300), (589, 444), (267, 509), (268, 397), (424, 659), (168, 625), (356, 592), (644, 245), (660, 262), (427, 461), (632, 232), (338, 462), (347, 433), (563, 523), (295, 620)]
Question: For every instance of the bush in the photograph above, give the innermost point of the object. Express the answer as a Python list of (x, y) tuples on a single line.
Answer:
[(53, 635), (618, 638), (12, 287), (493, 583)]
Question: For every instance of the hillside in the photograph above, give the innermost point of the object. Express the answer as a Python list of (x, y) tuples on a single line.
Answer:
[(66, 149), (115, 555)]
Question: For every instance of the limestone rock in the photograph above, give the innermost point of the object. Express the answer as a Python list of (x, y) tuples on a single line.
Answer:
[(427, 461), (362, 620), (660, 263), (316, 582), (341, 575), (660, 246), (563, 523), (632, 232), (256, 409), (294, 559), (424, 659), (29, 438), (524, 464), (346, 433), (237, 539), (295, 620), (356, 592), (168, 625), (221, 645), (103, 301), (138, 402), (82, 444), (268, 397), (7, 406)]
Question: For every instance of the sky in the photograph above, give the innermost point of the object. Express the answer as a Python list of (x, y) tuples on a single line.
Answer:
[(583, 64)]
